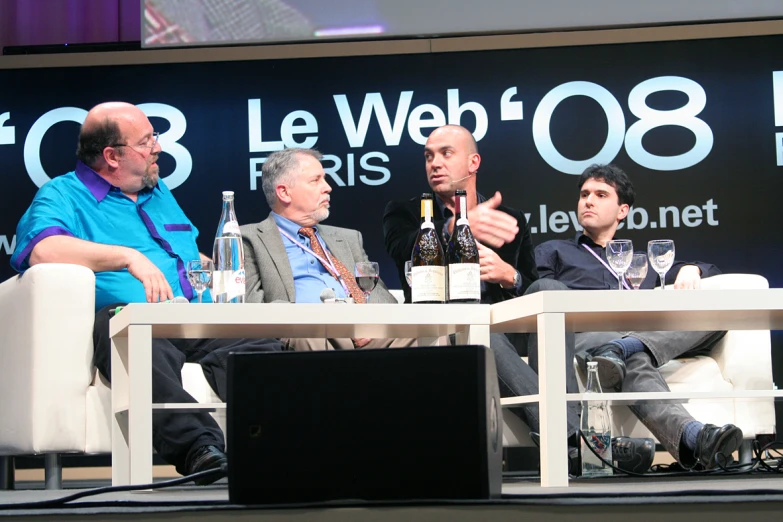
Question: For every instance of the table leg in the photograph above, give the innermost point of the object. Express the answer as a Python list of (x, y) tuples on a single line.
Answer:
[(474, 334), (120, 457), (552, 403), (140, 404)]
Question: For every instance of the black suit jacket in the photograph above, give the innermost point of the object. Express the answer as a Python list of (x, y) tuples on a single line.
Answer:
[(401, 222)]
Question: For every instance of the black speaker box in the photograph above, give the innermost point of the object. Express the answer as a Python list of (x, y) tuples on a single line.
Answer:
[(394, 424)]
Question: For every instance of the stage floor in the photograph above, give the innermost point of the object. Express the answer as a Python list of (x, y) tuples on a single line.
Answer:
[(714, 498)]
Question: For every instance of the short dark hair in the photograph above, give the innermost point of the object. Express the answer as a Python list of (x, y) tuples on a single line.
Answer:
[(93, 140), (614, 176)]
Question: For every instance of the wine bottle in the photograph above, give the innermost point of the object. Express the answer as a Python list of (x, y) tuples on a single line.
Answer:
[(228, 278), (463, 257), (428, 263)]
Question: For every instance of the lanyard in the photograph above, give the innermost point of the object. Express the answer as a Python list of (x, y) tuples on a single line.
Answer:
[(327, 263), (625, 284)]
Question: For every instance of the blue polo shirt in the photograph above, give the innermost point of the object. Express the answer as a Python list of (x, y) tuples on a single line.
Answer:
[(84, 205), (310, 275)]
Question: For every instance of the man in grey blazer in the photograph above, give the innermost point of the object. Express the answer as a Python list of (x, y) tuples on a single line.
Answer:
[(281, 263)]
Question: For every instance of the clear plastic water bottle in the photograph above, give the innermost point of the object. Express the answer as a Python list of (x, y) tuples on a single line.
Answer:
[(596, 425), (228, 279)]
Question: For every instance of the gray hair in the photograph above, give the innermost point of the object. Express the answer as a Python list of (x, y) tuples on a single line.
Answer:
[(279, 166)]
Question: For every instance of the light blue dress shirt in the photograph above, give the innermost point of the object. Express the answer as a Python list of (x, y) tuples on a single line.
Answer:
[(310, 275)]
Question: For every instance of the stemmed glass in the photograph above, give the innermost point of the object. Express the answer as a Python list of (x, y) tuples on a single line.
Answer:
[(619, 253), (408, 274), (661, 255), (366, 273), (200, 275), (638, 270)]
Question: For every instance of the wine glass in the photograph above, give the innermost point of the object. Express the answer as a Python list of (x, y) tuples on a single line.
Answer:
[(661, 255), (200, 275), (408, 274), (619, 253), (638, 270), (366, 273)]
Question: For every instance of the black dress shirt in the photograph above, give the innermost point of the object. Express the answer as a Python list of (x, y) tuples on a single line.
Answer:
[(568, 261)]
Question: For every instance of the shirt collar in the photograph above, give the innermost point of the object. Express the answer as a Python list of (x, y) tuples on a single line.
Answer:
[(94, 182), (287, 226), (98, 186)]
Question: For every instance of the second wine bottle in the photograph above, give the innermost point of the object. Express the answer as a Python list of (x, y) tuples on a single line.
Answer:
[(463, 257)]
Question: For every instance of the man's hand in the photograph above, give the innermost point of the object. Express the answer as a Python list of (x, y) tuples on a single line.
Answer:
[(204, 257), (155, 284), (491, 226), (361, 342), (494, 269), (688, 278)]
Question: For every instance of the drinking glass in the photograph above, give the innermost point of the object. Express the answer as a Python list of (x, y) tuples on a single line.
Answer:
[(619, 253), (661, 255), (638, 270), (408, 275), (200, 275), (366, 273)]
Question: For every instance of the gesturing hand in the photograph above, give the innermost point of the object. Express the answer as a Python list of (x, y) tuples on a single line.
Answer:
[(688, 278), (155, 284), (493, 268), (491, 226)]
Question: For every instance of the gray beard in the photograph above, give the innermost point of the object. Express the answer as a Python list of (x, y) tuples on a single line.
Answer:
[(320, 215)]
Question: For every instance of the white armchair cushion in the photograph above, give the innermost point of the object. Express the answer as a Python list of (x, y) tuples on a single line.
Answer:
[(46, 316)]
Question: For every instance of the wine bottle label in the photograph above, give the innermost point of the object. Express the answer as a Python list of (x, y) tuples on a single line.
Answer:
[(231, 228), (228, 284), (429, 283), (464, 281), (462, 221)]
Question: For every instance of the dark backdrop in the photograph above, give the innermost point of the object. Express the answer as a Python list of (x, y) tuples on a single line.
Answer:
[(710, 154)]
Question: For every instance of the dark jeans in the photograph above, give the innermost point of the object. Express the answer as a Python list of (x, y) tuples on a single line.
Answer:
[(175, 435), (665, 421)]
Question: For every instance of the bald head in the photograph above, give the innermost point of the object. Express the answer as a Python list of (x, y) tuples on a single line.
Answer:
[(451, 160), (459, 135), (117, 141)]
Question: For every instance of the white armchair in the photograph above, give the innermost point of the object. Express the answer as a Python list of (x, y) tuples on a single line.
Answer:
[(52, 399), (742, 360)]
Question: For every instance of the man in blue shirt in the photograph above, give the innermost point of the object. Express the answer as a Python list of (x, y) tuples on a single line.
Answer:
[(292, 257), (628, 361), (115, 216)]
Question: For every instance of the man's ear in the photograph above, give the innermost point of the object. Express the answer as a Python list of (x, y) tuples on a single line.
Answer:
[(473, 163), (283, 193), (112, 155), (623, 212)]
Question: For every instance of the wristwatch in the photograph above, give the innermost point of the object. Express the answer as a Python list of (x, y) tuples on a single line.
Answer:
[(517, 281)]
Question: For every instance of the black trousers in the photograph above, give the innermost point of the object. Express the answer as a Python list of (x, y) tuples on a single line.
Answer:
[(175, 435)]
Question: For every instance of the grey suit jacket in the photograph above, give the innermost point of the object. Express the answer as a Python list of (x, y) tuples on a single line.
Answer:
[(268, 275)]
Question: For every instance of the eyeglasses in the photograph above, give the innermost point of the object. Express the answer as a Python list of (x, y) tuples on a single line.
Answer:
[(153, 139)]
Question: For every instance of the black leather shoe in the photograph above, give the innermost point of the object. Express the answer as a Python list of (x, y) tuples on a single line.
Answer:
[(634, 455), (716, 444), (611, 364), (204, 458)]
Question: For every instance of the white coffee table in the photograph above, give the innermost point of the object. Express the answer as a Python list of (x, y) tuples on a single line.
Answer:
[(552, 313), (133, 329)]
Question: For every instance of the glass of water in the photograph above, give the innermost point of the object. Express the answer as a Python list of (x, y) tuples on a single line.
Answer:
[(661, 255), (638, 270), (200, 275), (408, 275), (619, 253)]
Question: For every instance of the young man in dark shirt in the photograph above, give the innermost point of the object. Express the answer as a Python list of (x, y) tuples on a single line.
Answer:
[(629, 361)]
